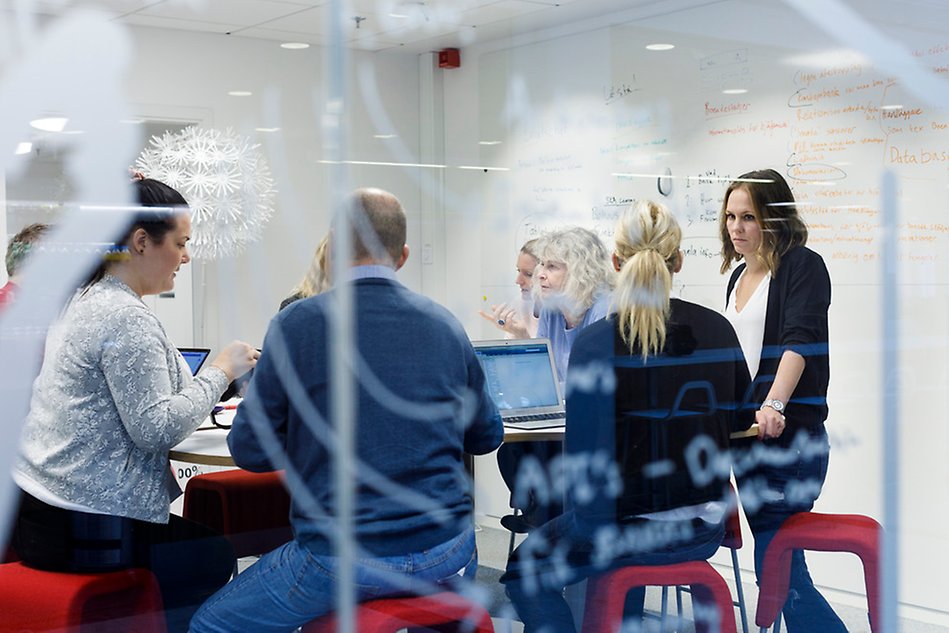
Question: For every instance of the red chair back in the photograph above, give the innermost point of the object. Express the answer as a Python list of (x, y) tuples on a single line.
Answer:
[(853, 533), (606, 594), (732, 538), (251, 509), (389, 615)]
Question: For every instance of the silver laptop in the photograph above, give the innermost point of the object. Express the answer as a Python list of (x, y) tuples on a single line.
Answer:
[(522, 379)]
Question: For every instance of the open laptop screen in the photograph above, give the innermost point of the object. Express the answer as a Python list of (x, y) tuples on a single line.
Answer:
[(195, 357), (519, 373)]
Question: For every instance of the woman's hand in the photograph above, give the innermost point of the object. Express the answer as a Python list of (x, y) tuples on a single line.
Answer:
[(770, 423), (504, 317), (236, 359)]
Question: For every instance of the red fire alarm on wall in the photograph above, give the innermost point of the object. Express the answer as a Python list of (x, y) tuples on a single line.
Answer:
[(449, 58)]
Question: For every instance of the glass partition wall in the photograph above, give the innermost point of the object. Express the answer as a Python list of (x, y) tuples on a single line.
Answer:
[(497, 123)]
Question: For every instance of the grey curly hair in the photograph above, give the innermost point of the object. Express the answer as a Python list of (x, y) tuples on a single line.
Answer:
[(589, 267)]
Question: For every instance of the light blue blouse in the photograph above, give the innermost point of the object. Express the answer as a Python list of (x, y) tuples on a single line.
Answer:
[(552, 325)]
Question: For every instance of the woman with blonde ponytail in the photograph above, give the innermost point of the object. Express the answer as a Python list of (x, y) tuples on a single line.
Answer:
[(653, 393), (647, 254)]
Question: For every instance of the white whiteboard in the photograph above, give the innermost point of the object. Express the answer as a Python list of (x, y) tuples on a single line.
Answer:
[(584, 124)]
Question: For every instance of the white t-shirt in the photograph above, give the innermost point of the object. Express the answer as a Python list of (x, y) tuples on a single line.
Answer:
[(749, 323)]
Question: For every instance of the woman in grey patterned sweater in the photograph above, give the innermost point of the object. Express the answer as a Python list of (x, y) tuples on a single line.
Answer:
[(113, 397)]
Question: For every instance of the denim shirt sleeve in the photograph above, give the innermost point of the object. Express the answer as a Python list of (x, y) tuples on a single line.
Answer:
[(265, 409), (485, 432)]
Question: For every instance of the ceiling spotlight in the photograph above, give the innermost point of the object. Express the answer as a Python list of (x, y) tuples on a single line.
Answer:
[(489, 142), (23, 148), (894, 106), (734, 91), (50, 124), (267, 129), (295, 46), (240, 93), (660, 47)]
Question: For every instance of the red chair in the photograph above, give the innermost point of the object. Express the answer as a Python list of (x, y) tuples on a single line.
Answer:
[(251, 509), (853, 533), (606, 594), (447, 611), (733, 542), (34, 600)]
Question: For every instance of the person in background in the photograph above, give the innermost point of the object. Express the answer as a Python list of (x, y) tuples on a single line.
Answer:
[(777, 300), (631, 406), (572, 285), (17, 251), (113, 396), (519, 320), (316, 280), (421, 404)]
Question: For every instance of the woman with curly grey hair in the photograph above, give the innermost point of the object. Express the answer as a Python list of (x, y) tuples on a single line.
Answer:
[(573, 285)]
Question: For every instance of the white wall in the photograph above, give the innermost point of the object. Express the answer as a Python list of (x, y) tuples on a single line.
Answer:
[(558, 81), (188, 75)]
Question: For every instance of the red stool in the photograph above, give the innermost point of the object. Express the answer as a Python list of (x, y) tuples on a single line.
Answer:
[(34, 600), (853, 533), (733, 542), (251, 509), (388, 615), (606, 594)]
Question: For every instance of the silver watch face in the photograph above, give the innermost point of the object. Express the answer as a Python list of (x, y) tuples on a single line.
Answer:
[(777, 405)]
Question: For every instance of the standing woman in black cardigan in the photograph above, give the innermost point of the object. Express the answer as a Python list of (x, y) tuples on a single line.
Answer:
[(777, 301)]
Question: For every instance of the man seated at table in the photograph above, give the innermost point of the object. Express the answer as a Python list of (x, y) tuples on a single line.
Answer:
[(420, 404)]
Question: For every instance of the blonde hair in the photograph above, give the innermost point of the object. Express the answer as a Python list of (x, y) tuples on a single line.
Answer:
[(316, 279), (647, 251)]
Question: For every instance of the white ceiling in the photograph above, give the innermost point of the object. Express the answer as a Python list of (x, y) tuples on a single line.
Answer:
[(428, 25), (410, 25)]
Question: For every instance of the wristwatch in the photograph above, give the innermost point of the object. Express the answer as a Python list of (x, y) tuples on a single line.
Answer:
[(777, 405)]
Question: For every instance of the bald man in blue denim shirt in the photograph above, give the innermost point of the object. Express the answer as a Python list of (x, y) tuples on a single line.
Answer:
[(420, 405)]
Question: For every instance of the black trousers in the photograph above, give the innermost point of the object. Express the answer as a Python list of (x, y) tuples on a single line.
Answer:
[(189, 560), (539, 499)]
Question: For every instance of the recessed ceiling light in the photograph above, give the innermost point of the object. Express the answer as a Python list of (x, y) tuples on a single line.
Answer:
[(384, 135), (267, 129), (660, 47), (489, 142), (23, 148), (240, 93), (894, 106), (400, 16), (734, 91), (50, 124), (295, 46)]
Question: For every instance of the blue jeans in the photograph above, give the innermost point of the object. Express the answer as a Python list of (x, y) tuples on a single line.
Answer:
[(772, 489), (291, 585), (569, 549)]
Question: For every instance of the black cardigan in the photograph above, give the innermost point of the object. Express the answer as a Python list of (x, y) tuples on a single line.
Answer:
[(796, 319)]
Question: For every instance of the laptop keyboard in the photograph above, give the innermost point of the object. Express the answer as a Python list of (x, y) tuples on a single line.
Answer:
[(516, 419)]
